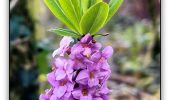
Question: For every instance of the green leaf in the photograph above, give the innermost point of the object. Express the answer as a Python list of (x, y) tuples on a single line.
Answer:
[(69, 10), (57, 11), (86, 4), (77, 7), (93, 2), (65, 32), (113, 7), (94, 18)]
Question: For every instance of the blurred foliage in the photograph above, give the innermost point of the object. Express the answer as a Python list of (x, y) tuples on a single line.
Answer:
[(42, 62), (132, 42)]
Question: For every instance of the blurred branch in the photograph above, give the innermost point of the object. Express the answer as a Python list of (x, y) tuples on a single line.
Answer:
[(19, 41), (125, 79)]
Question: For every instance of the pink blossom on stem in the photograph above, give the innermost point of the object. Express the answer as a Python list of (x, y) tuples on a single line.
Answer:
[(83, 74)]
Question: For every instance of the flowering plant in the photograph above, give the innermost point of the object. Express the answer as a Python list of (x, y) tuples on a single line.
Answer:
[(79, 68)]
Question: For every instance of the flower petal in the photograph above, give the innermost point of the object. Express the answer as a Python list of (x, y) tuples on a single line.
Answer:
[(98, 98), (66, 96), (87, 52), (82, 77), (93, 82), (59, 62), (42, 97), (78, 64), (76, 93), (88, 97), (59, 92), (96, 57), (105, 65), (69, 67), (60, 74), (104, 75), (51, 79), (70, 86), (53, 97), (65, 42), (107, 52), (86, 39), (76, 49), (96, 46), (87, 62), (70, 76), (105, 97), (57, 52)]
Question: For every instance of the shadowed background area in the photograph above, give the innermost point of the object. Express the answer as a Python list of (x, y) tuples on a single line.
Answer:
[(134, 33)]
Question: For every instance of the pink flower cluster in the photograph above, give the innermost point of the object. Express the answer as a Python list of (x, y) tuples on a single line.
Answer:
[(79, 72)]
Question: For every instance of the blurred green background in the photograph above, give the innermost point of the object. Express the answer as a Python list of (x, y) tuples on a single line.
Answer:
[(134, 35)]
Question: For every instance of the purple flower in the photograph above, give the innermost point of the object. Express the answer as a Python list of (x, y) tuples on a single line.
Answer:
[(102, 97), (104, 55), (61, 87), (63, 90), (85, 46), (103, 89), (102, 93), (66, 96), (82, 74), (51, 77), (46, 95), (64, 46), (83, 93), (100, 58), (63, 68), (88, 76), (81, 62), (86, 39)]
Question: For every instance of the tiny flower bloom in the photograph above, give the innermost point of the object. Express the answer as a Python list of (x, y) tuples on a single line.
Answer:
[(46, 95), (86, 46), (86, 39), (102, 97), (102, 93), (103, 76), (64, 68), (58, 62), (80, 62), (89, 77), (64, 46), (90, 48), (100, 58), (103, 89), (52, 79), (104, 55), (107, 52), (66, 96), (83, 93), (62, 88)]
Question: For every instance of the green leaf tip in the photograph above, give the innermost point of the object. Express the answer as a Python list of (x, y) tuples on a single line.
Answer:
[(65, 32), (94, 18), (113, 7), (55, 8)]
